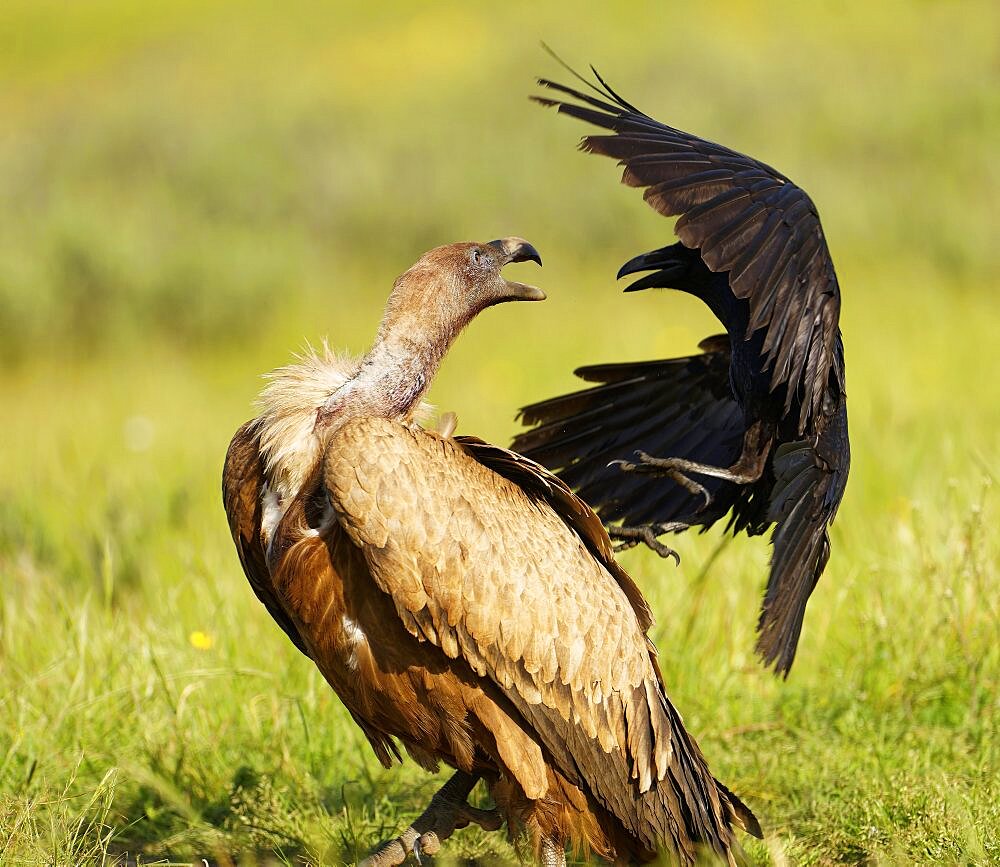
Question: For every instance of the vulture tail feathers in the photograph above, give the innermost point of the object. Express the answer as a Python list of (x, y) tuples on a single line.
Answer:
[(742, 813)]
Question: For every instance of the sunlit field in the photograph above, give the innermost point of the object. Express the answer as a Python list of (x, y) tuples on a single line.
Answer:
[(189, 192)]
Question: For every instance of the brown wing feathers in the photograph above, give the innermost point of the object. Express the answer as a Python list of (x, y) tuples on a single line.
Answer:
[(242, 491), (542, 587), (602, 718), (539, 483)]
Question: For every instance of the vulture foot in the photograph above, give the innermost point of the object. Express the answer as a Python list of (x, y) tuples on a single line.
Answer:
[(553, 853), (448, 811), (675, 469), (646, 534)]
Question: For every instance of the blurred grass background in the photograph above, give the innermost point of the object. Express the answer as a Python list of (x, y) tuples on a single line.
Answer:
[(189, 191)]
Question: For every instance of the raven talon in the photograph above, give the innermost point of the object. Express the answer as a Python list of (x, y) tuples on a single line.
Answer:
[(671, 468), (625, 466), (646, 535), (665, 551), (692, 487)]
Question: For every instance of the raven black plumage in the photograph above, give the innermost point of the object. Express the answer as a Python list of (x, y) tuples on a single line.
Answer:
[(760, 417)]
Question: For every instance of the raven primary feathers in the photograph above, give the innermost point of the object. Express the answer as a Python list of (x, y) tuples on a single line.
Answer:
[(756, 426), (461, 600)]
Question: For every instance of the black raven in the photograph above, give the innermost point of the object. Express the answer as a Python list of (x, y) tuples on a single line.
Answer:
[(756, 426)]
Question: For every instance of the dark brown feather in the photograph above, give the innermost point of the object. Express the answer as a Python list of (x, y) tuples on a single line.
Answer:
[(242, 485)]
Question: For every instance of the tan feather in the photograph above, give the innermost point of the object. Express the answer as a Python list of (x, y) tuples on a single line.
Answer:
[(453, 593)]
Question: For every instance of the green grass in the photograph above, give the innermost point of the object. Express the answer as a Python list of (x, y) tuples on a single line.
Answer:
[(188, 194)]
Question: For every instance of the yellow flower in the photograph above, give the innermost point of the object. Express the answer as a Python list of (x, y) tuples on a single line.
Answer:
[(201, 640)]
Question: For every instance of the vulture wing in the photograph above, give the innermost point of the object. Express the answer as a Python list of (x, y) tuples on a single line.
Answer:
[(510, 578), (743, 217), (539, 484), (242, 485), (678, 406)]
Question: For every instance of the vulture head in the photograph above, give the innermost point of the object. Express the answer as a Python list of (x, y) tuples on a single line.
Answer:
[(428, 307), (449, 285)]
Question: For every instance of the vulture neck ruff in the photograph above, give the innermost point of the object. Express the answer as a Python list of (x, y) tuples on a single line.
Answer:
[(423, 316), (289, 407)]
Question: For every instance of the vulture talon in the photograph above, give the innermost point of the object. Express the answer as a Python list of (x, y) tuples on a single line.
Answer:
[(553, 853), (426, 844), (448, 811)]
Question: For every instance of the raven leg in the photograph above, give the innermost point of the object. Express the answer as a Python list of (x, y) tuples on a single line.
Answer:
[(447, 812), (670, 468), (749, 467), (646, 534)]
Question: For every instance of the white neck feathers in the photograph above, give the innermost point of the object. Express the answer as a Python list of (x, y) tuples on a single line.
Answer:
[(288, 408)]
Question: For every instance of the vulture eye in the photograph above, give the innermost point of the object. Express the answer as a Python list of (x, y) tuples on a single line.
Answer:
[(477, 256)]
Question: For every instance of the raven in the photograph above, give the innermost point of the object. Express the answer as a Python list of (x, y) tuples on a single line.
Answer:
[(756, 425)]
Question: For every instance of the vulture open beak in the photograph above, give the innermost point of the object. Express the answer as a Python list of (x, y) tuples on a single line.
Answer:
[(518, 250)]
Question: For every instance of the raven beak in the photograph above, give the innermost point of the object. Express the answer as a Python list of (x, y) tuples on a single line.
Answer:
[(650, 281), (635, 265), (515, 250), (518, 250), (665, 267)]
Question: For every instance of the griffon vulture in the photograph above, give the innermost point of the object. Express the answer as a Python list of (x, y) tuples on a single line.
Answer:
[(462, 601), (756, 425)]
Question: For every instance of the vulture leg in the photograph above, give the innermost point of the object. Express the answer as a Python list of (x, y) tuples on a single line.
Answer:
[(749, 468), (447, 812), (553, 853), (646, 534)]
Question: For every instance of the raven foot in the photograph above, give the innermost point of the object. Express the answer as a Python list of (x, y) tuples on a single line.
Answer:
[(674, 469), (646, 535), (447, 812)]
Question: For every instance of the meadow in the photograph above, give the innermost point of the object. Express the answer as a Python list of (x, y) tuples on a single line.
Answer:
[(189, 192)]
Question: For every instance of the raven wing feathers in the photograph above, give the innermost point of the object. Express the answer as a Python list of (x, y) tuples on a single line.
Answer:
[(677, 406), (744, 217)]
